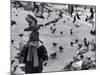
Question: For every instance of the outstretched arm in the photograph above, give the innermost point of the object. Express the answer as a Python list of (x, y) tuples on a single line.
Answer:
[(32, 28)]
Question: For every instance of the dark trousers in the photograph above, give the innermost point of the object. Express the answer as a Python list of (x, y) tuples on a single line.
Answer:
[(30, 69)]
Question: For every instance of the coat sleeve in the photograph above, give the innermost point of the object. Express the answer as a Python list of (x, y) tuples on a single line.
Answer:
[(44, 54), (32, 28), (23, 53)]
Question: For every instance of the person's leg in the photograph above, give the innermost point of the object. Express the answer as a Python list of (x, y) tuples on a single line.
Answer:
[(38, 69), (29, 68)]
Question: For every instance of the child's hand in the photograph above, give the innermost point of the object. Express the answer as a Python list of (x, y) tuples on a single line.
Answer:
[(45, 63)]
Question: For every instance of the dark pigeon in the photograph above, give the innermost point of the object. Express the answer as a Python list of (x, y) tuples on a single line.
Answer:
[(21, 35), (51, 28), (61, 48), (54, 24), (76, 41), (68, 19), (93, 32), (54, 44), (61, 32), (71, 31), (74, 19), (63, 21), (68, 67), (16, 14), (79, 46), (13, 22), (71, 43), (53, 31), (53, 55), (12, 41)]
